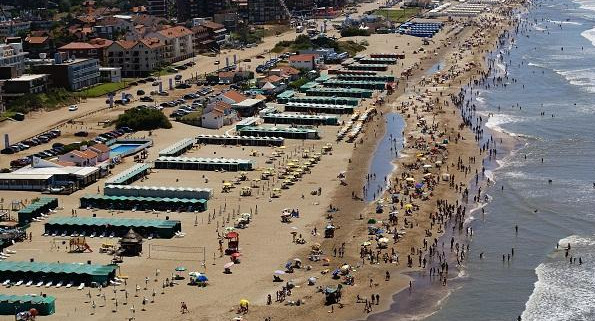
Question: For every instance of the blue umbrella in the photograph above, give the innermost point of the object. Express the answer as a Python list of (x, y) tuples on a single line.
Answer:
[(288, 265), (202, 278)]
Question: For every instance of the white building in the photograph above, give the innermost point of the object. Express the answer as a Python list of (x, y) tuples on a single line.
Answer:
[(305, 61), (12, 55)]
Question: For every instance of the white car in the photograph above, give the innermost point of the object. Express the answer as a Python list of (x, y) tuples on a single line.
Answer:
[(73, 108)]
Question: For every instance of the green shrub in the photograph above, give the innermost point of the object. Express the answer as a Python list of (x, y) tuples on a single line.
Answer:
[(143, 119)]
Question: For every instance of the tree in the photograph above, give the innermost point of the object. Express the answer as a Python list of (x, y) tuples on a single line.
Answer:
[(143, 119)]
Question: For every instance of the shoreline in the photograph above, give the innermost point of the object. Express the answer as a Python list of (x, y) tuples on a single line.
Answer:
[(420, 308)]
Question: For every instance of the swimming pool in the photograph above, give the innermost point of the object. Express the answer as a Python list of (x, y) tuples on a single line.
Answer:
[(123, 149)]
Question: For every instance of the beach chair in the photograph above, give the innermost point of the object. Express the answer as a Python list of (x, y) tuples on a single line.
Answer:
[(82, 286), (5, 283), (69, 285), (47, 285), (29, 283), (19, 283), (39, 284), (59, 285)]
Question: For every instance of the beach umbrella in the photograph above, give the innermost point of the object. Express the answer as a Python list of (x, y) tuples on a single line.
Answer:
[(410, 179), (336, 272), (312, 281), (180, 269), (236, 254), (419, 185), (372, 221), (408, 206), (427, 166), (229, 228), (228, 265), (297, 260), (279, 272), (366, 243), (288, 265), (202, 278), (244, 302), (383, 240)]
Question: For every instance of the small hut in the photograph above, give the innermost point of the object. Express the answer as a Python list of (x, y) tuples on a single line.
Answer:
[(131, 244)]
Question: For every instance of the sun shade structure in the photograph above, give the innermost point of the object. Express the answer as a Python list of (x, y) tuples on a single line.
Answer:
[(118, 226), (178, 148), (285, 96), (325, 100), (285, 132), (204, 164), (300, 119), (381, 77), (130, 175), (373, 67), (319, 108), (362, 84), (11, 304), (340, 92), (65, 272), (143, 203), (34, 210), (158, 191), (383, 60), (240, 140)]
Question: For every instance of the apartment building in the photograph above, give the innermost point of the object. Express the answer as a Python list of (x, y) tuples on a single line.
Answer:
[(188, 9), (178, 43), (13, 56), (72, 74), (267, 11), (158, 8), (136, 58)]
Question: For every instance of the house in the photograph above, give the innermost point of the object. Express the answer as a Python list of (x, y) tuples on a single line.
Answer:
[(94, 48), (305, 61), (82, 158), (290, 73), (226, 77), (37, 45), (216, 31), (272, 79), (102, 152), (178, 43), (218, 114), (232, 97), (136, 58), (112, 27), (202, 40)]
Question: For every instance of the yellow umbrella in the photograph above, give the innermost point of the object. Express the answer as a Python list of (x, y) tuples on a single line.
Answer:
[(226, 184), (244, 302), (408, 206)]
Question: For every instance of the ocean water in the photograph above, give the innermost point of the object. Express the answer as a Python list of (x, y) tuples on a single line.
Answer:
[(545, 184), (387, 151), (553, 64)]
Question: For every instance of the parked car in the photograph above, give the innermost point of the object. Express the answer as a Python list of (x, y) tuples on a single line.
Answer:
[(140, 92), (147, 99), (73, 108), (81, 133)]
